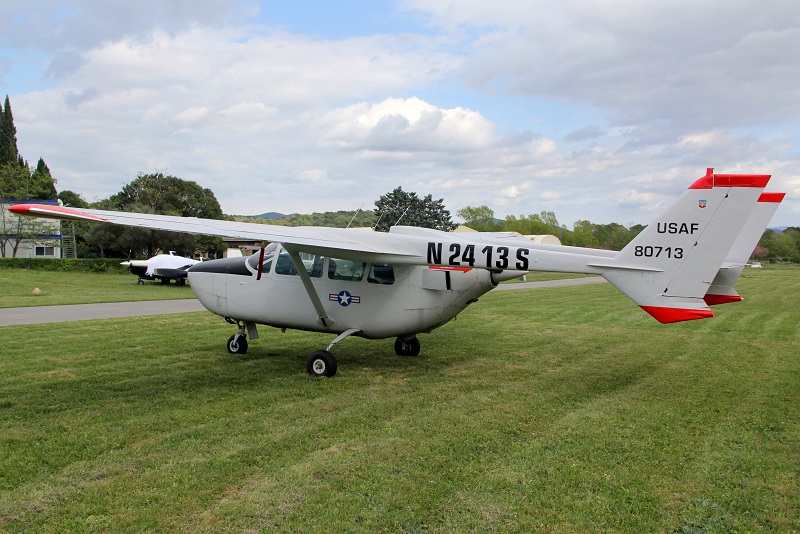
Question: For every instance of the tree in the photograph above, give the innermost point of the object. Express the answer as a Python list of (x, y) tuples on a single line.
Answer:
[(583, 236), (8, 136), (42, 184), (72, 199), (613, 236), (166, 195), (479, 218), (102, 239), (400, 207)]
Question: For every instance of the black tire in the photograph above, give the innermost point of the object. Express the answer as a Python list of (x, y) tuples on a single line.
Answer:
[(180, 282), (407, 347), (140, 282), (237, 346), (321, 363)]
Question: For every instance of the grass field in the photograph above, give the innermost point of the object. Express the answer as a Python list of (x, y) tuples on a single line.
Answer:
[(79, 288), (550, 410), (56, 288)]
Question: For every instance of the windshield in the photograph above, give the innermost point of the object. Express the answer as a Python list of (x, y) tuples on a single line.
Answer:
[(269, 255)]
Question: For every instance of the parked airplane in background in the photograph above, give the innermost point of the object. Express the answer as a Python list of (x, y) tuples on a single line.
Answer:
[(164, 267), (412, 280)]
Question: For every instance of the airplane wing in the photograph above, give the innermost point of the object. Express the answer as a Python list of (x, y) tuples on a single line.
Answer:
[(317, 240), (667, 269)]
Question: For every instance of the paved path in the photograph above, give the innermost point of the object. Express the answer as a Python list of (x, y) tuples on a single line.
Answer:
[(552, 283), (86, 312)]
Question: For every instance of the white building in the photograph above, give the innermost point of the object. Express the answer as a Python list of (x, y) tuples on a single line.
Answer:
[(45, 238)]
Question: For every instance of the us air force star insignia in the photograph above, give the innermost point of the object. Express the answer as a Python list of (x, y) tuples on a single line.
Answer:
[(344, 298)]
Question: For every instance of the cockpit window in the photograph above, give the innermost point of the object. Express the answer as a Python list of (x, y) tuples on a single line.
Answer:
[(346, 270), (312, 263), (381, 274), (269, 255)]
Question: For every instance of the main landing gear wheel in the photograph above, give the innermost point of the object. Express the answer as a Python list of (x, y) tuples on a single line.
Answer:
[(321, 363), (237, 346), (407, 347)]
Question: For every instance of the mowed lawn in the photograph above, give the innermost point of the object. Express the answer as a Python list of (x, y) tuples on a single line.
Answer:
[(59, 288), (550, 410), (17, 288)]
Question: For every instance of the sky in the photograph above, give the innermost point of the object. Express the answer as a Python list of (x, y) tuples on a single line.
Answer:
[(599, 110)]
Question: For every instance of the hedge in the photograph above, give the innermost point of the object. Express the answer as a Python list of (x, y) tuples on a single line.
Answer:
[(100, 265)]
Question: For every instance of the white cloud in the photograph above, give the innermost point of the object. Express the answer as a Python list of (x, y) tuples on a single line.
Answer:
[(407, 125), (689, 64), (192, 117), (596, 111), (633, 198)]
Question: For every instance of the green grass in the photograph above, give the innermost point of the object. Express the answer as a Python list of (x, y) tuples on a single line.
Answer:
[(550, 410), (544, 276), (17, 285)]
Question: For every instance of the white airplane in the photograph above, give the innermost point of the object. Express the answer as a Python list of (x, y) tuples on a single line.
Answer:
[(350, 282), (164, 267)]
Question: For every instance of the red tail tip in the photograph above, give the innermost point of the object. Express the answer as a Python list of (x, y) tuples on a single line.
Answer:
[(712, 300), (674, 315), (730, 180)]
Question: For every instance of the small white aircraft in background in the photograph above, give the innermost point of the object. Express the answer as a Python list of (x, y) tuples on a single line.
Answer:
[(350, 282), (164, 267)]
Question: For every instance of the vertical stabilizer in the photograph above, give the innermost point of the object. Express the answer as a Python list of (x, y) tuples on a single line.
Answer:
[(668, 268), (721, 290)]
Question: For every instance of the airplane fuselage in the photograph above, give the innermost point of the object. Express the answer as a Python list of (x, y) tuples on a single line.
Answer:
[(379, 301)]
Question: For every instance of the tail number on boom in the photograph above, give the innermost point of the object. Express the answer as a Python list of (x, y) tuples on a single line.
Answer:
[(655, 252), (489, 257)]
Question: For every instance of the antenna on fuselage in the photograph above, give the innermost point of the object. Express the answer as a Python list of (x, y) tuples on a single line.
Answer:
[(354, 216), (403, 215)]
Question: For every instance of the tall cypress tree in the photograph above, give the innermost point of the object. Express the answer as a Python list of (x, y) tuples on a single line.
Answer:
[(43, 185), (8, 136)]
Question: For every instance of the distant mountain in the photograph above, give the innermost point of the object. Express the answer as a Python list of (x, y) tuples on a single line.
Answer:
[(778, 229), (275, 215), (269, 215)]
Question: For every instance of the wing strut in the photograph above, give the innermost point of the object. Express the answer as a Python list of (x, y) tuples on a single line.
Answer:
[(322, 317)]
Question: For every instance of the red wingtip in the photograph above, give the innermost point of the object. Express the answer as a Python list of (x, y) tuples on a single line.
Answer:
[(713, 300), (674, 315), (730, 180), (771, 197), (53, 212), (20, 209)]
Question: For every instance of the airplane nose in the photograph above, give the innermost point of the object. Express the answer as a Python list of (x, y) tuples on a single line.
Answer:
[(222, 266), (209, 281)]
